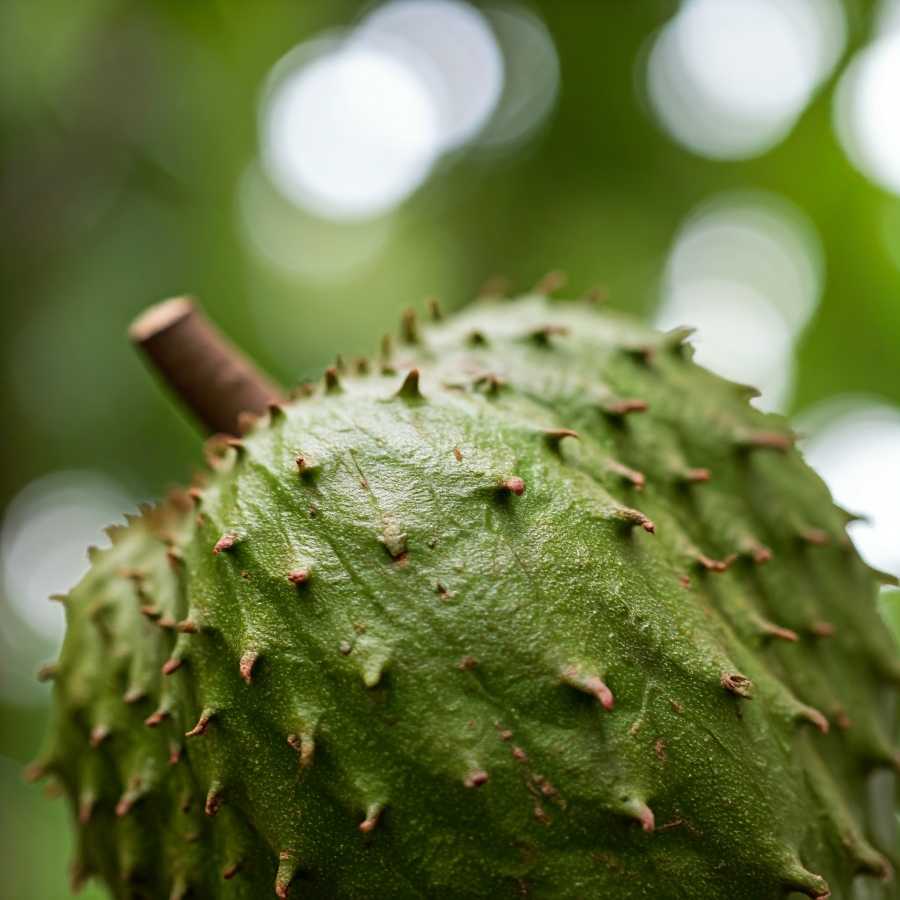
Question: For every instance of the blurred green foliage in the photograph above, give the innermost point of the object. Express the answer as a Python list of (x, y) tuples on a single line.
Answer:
[(127, 128)]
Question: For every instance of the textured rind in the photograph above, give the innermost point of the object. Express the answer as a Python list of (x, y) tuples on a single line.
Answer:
[(536, 607)]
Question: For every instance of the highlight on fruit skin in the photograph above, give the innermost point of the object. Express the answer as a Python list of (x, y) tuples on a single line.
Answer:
[(551, 613)]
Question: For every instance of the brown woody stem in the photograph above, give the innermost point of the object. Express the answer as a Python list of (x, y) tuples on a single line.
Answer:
[(210, 375)]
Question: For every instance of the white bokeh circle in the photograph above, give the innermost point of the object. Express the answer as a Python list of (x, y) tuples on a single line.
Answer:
[(728, 79), (350, 132), (853, 442)]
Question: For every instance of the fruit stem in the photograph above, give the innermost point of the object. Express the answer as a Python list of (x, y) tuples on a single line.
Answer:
[(210, 375)]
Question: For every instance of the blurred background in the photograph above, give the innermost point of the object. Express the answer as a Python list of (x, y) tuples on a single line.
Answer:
[(309, 168)]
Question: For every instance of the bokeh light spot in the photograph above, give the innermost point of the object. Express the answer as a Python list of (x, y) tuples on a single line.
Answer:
[(531, 83), (745, 270), (46, 530), (867, 111), (302, 246), (729, 78), (452, 49), (349, 132), (854, 444)]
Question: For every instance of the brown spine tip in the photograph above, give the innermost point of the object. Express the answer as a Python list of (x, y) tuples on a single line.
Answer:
[(761, 554), (205, 370), (551, 283), (737, 684), (302, 391), (172, 665), (814, 717), (215, 452), (47, 672), (410, 389), (202, 724), (542, 334), (134, 695), (822, 629), (457, 454), (298, 576), (332, 381), (647, 819), (632, 517), (555, 436), (126, 803), (513, 485), (804, 882), (637, 479), (490, 383), (213, 800), (644, 354), (434, 309), (35, 771), (588, 684), (226, 542), (714, 565), (156, 718), (86, 809), (305, 747), (696, 476), (409, 327), (373, 814), (624, 407), (248, 661), (246, 422), (815, 536), (770, 629), (230, 871), (304, 464), (476, 778), (641, 813), (287, 869), (767, 440), (99, 733), (187, 626), (841, 719)]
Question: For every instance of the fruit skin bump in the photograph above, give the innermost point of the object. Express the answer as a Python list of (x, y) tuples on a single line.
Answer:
[(529, 606)]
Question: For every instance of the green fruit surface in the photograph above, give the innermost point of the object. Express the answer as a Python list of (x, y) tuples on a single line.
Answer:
[(532, 607)]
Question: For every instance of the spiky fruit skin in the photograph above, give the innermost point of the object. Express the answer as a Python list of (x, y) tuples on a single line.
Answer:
[(540, 609)]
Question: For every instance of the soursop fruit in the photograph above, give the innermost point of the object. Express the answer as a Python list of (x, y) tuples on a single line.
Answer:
[(529, 606)]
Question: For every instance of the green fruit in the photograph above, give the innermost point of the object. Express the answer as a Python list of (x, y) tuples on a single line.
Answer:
[(536, 607)]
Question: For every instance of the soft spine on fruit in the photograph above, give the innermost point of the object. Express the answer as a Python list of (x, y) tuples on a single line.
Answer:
[(530, 605)]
